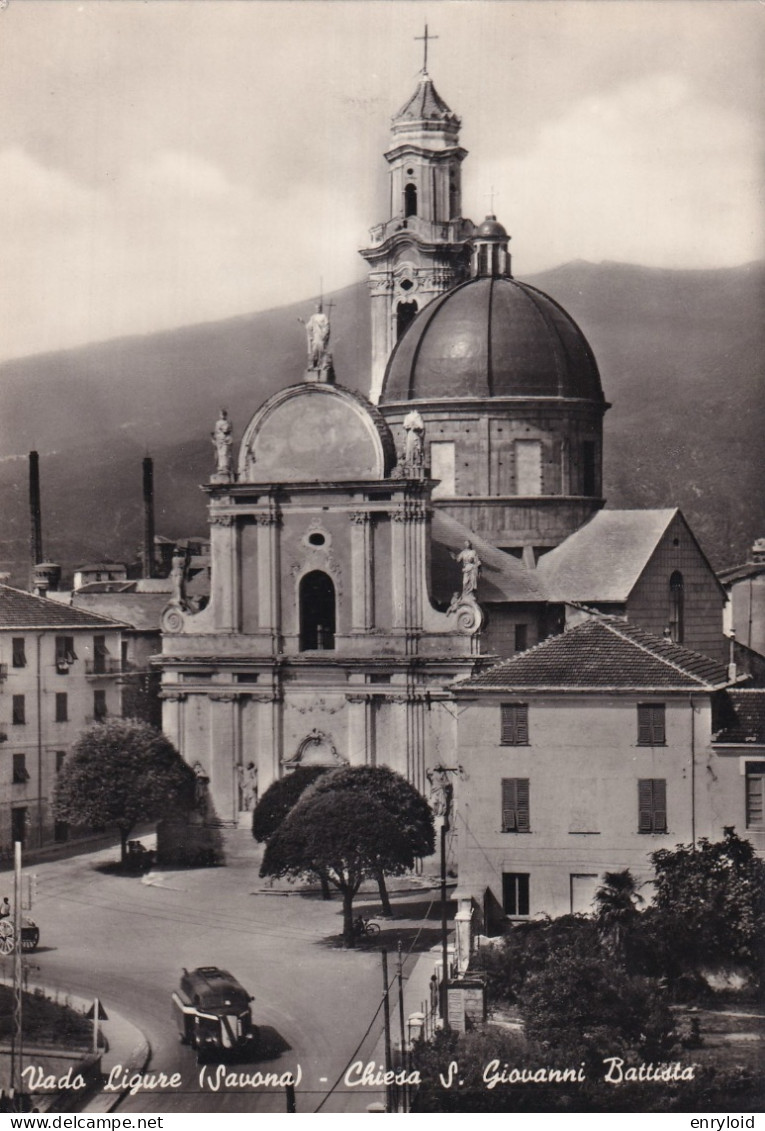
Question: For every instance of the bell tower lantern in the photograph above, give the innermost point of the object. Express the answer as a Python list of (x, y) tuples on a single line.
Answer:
[(423, 248)]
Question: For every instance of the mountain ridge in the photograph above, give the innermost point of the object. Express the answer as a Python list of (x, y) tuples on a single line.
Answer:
[(680, 354)]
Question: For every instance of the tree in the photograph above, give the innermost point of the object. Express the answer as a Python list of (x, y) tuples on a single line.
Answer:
[(715, 894), (616, 910), (279, 798), (120, 772), (406, 806), (343, 827), (591, 1004)]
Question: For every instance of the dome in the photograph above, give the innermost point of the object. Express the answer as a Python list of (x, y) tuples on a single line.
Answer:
[(492, 337), (490, 229)]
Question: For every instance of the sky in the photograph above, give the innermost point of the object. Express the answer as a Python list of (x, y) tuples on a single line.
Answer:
[(170, 162)]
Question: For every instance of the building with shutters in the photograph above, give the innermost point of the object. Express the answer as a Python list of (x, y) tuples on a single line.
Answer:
[(584, 755), (59, 672)]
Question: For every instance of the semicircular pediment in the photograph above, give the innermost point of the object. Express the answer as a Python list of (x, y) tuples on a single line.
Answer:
[(316, 432)]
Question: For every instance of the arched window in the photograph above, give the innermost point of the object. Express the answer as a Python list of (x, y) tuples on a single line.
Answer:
[(410, 200), (676, 607), (317, 612), (405, 312)]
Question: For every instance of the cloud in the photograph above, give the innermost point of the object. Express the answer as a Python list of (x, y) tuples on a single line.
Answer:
[(172, 241), (646, 174)]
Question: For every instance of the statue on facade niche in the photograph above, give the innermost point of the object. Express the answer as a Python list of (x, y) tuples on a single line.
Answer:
[(317, 338), (471, 568), (414, 447), (223, 443), (178, 578), (248, 786)]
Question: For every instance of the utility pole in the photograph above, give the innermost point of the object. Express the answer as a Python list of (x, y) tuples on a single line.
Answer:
[(404, 1065), (17, 1040), (448, 795), (386, 1015), (444, 929)]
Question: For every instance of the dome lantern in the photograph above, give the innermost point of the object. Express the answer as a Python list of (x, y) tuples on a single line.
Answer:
[(490, 250)]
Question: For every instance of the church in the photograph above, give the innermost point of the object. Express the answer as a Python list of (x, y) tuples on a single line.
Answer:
[(369, 555)]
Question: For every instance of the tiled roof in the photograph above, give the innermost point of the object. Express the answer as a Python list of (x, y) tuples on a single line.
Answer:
[(603, 560), (741, 572), (503, 578), (604, 653), (426, 103), (22, 610), (741, 717)]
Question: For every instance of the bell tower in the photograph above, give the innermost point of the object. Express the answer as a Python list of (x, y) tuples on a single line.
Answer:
[(423, 248)]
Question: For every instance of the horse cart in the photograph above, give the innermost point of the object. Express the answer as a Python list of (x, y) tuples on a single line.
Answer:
[(30, 935)]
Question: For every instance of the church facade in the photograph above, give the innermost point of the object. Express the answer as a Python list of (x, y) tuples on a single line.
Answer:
[(369, 554)]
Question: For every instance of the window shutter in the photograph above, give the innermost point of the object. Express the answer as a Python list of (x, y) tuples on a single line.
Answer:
[(644, 725), (508, 727), (657, 724), (509, 805), (522, 790), (69, 649), (515, 724), (645, 806), (522, 725), (659, 805)]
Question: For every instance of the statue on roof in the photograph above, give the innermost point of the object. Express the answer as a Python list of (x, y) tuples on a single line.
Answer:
[(223, 443), (414, 447), (471, 568), (178, 578), (317, 331)]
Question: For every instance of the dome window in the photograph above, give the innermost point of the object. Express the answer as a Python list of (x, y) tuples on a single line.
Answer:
[(588, 468)]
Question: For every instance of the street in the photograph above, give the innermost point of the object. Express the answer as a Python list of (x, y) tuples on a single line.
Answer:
[(125, 940)]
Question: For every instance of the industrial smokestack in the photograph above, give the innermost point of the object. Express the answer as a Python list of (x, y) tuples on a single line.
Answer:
[(148, 517), (35, 515)]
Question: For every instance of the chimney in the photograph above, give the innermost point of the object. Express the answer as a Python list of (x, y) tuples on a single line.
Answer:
[(35, 514), (732, 658), (148, 517), (47, 578)]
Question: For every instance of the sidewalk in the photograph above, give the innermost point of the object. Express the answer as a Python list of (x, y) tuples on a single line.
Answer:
[(128, 1051), (126, 1046)]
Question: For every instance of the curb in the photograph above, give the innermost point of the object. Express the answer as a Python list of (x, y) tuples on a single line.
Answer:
[(135, 1061)]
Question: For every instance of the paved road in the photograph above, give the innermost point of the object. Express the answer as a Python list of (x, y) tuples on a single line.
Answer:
[(126, 941)]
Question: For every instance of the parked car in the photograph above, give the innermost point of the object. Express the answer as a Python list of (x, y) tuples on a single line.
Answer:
[(212, 1011)]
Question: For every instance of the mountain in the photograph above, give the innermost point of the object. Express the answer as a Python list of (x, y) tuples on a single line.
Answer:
[(679, 354)]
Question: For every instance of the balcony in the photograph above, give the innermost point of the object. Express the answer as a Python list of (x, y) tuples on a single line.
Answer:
[(103, 666)]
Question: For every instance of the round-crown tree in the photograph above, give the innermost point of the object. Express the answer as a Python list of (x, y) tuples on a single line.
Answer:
[(346, 826), (121, 772), (280, 797), (410, 810)]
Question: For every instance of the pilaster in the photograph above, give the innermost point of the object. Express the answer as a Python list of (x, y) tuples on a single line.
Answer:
[(224, 755), (362, 579), (269, 577)]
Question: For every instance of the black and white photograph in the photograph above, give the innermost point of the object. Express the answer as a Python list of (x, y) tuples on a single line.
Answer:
[(382, 560)]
